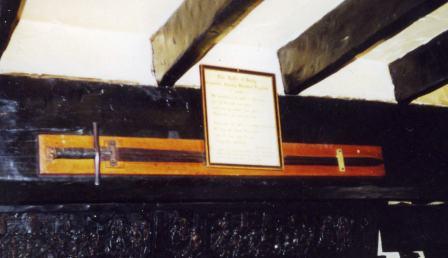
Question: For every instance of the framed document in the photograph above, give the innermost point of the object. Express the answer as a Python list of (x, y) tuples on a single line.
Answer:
[(241, 119)]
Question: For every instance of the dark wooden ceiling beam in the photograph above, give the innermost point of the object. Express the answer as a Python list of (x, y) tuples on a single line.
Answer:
[(191, 31), (9, 10), (422, 70), (339, 36)]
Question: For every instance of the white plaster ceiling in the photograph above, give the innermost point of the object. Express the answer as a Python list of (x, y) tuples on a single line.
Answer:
[(109, 40)]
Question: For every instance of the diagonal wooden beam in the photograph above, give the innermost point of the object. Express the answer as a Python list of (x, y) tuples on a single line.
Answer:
[(192, 30), (9, 16), (339, 36), (422, 70)]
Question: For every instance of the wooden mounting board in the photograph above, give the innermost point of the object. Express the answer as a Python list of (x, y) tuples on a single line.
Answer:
[(49, 166)]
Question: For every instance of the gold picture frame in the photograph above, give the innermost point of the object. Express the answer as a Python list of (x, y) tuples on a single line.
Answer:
[(264, 84)]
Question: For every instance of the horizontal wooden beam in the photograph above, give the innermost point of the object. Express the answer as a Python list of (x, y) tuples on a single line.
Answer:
[(413, 153), (191, 32), (339, 36), (421, 71)]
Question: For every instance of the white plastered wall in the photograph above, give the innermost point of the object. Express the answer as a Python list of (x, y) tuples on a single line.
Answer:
[(109, 40), (94, 39)]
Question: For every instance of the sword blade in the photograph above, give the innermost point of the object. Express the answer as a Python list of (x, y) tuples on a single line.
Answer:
[(156, 155)]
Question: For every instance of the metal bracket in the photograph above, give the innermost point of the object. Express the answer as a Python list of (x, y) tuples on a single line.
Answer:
[(340, 158), (112, 153)]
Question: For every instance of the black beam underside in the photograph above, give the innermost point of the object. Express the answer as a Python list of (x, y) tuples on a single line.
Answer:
[(422, 70), (234, 230), (349, 29), (416, 227), (413, 139)]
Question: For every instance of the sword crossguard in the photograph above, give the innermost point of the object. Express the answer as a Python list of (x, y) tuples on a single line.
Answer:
[(97, 148)]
